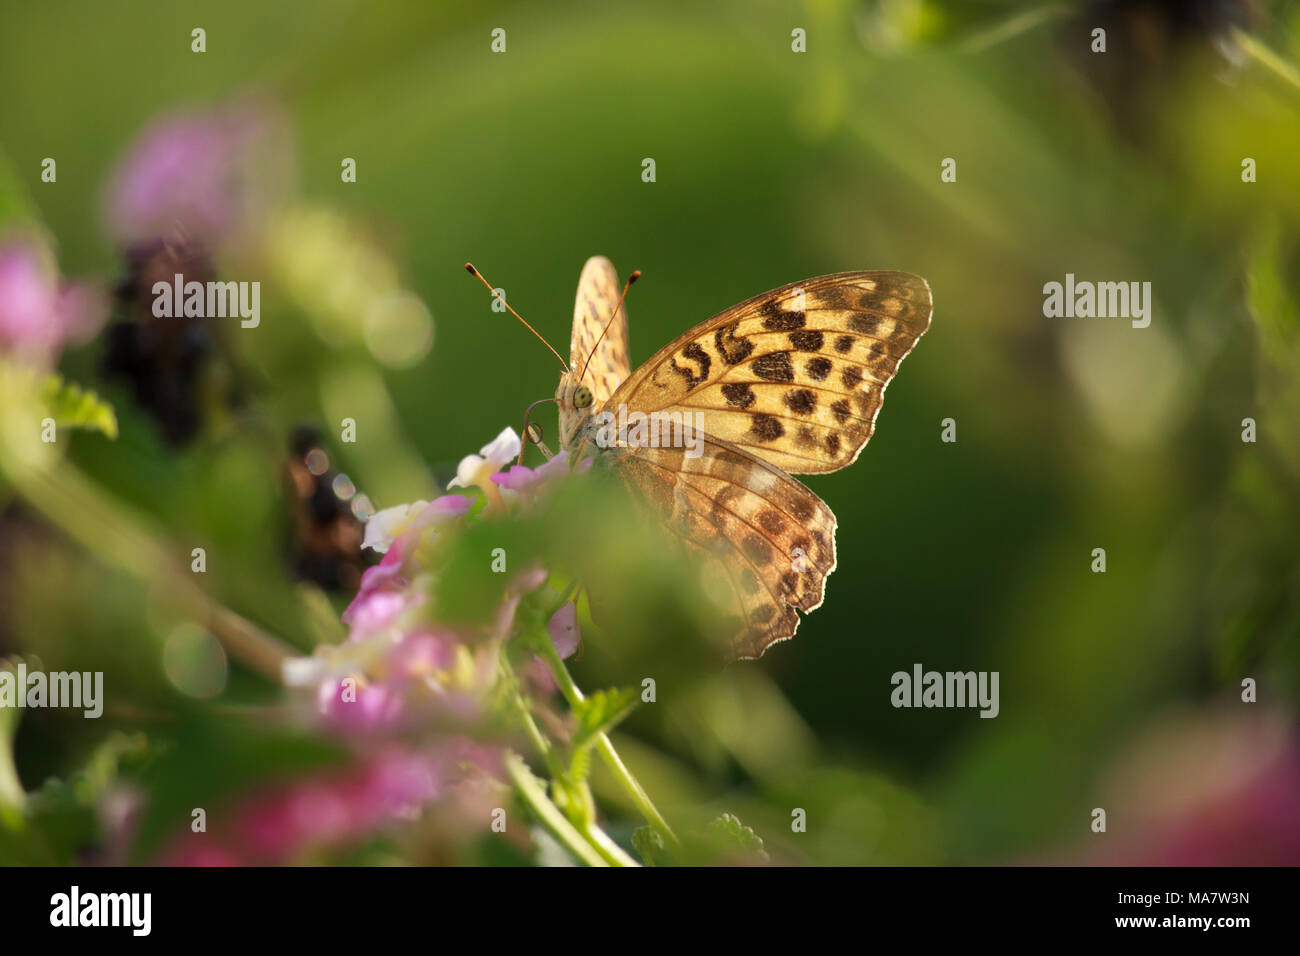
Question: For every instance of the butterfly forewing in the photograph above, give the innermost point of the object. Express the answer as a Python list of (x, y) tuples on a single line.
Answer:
[(598, 295), (795, 376)]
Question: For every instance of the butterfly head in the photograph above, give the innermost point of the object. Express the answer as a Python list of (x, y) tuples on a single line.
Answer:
[(576, 395), (577, 405)]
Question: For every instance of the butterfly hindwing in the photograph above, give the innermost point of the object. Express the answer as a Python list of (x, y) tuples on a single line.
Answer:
[(598, 296), (767, 541), (795, 376)]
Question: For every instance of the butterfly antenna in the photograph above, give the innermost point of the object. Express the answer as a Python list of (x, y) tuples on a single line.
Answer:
[(636, 274), (469, 267)]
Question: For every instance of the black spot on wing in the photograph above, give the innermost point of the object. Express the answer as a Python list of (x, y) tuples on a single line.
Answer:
[(800, 400), (738, 394), (775, 367), (729, 346), (694, 353), (818, 368), (807, 340), (776, 319), (766, 427), (866, 324), (758, 550)]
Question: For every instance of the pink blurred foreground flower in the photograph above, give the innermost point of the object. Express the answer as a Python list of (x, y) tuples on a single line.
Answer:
[(1214, 789), (563, 627), (399, 668), (402, 675), (39, 312), (338, 809), (206, 175)]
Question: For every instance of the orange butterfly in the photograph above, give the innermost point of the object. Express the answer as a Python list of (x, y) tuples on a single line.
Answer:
[(711, 428)]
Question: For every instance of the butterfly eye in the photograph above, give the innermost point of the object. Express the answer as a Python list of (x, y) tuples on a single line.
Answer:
[(581, 396)]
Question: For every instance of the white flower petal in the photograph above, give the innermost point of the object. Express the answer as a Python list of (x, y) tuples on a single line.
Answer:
[(503, 449), (466, 472), (302, 671), (386, 525)]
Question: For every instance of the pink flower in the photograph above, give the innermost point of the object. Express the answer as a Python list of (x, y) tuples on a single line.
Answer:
[(377, 610), (401, 671), (384, 595), (420, 655), (350, 705), (205, 175), (39, 313), (527, 481), (564, 630), (1214, 789), (335, 809)]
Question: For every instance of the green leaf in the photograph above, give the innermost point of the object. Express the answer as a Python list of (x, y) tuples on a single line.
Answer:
[(74, 407), (727, 835), (649, 845), (597, 714), (60, 820), (600, 713)]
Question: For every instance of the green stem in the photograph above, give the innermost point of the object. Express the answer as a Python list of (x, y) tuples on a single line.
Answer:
[(600, 841), (614, 854), (634, 789), (1264, 56), (531, 791), (640, 799), (11, 788), (110, 531), (1013, 27)]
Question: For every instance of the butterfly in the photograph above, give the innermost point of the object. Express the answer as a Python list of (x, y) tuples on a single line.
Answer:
[(788, 382)]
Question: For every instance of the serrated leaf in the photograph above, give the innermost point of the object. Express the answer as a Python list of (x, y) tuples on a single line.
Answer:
[(601, 712), (649, 845), (596, 714), (726, 834), (74, 407)]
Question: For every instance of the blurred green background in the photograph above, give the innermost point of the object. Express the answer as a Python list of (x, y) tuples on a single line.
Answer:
[(772, 166)]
